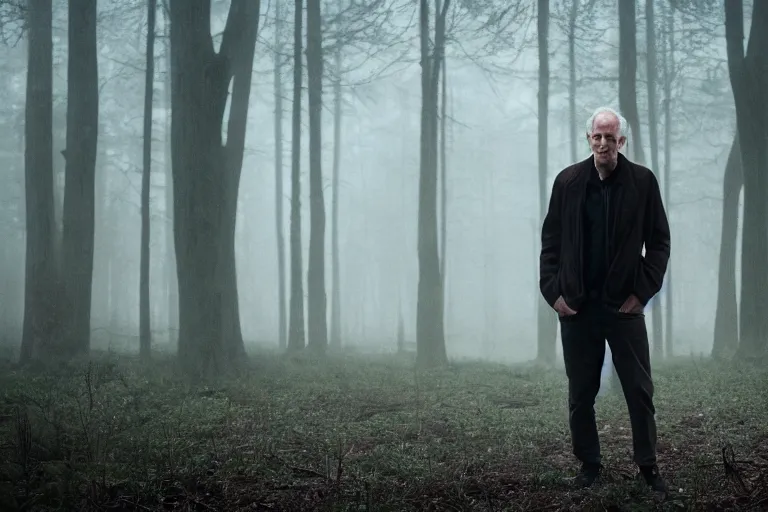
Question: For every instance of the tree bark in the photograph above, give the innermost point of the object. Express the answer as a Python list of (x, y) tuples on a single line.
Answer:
[(317, 328), (627, 75), (206, 177), (547, 322), (669, 66), (296, 332), (282, 335), (651, 77), (172, 283), (244, 28), (628, 104), (726, 339), (572, 78), (749, 80), (145, 335), (430, 332), (335, 264), (40, 274), (79, 200), (443, 177), (102, 251)]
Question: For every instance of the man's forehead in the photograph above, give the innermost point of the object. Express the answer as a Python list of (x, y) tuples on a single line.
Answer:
[(606, 122)]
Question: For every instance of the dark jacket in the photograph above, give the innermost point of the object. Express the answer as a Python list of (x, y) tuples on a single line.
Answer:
[(635, 217)]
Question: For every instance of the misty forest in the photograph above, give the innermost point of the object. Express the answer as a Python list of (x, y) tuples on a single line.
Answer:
[(284, 255)]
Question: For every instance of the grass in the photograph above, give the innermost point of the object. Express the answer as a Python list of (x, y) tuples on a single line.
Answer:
[(354, 433)]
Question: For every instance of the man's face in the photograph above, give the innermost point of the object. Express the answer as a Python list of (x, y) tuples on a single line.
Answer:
[(604, 140)]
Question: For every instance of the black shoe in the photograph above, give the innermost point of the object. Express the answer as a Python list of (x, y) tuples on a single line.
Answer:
[(588, 475), (652, 477)]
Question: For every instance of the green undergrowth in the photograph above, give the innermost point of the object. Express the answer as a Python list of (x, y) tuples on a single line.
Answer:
[(365, 433)]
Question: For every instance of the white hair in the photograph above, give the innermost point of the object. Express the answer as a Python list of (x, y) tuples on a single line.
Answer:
[(607, 110)]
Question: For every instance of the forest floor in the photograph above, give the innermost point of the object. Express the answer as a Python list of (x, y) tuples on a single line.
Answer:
[(366, 433)]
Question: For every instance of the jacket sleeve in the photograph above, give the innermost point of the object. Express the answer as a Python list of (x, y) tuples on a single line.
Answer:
[(549, 260), (653, 266)]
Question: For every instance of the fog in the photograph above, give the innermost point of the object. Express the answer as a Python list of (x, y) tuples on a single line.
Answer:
[(492, 189)]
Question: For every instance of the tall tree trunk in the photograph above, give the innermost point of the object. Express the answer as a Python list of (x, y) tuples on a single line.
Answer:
[(669, 66), (628, 104), (145, 336), (241, 54), (197, 110), (317, 328), (40, 275), (79, 201), (101, 252), (114, 264), (296, 332), (726, 339), (547, 323), (282, 336), (628, 100), (749, 80), (443, 178), (651, 77), (59, 177), (572, 19), (205, 197), (172, 283), (335, 265), (627, 75), (430, 331)]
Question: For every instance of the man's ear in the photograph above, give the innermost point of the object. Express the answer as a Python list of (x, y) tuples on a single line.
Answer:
[(622, 141)]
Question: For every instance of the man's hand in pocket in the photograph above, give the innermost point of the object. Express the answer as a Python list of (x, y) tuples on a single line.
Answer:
[(631, 305), (562, 308)]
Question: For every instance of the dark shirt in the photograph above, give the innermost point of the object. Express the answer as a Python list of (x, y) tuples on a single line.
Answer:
[(596, 215)]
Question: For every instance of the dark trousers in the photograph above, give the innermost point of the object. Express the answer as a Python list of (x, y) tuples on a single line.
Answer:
[(584, 336)]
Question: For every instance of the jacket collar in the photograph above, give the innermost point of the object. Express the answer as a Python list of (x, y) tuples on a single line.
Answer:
[(586, 165)]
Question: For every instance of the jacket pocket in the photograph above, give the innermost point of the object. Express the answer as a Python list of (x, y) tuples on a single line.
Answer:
[(568, 318)]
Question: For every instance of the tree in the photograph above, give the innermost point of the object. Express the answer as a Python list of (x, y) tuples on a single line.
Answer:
[(547, 326), (317, 329), (651, 79), (583, 24), (749, 81), (80, 155), (726, 338), (443, 175), (572, 17), (296, 308), (40, 274), (278, 55), (430, 329), (628, 74), (169, 259), (669, 65), (335, 334), (628, 104), (145, 336), (206, 176)]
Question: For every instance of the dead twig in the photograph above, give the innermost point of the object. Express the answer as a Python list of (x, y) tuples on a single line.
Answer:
[(733, 472)]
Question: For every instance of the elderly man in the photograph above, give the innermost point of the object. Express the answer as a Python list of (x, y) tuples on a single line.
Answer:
[(602, 211)]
